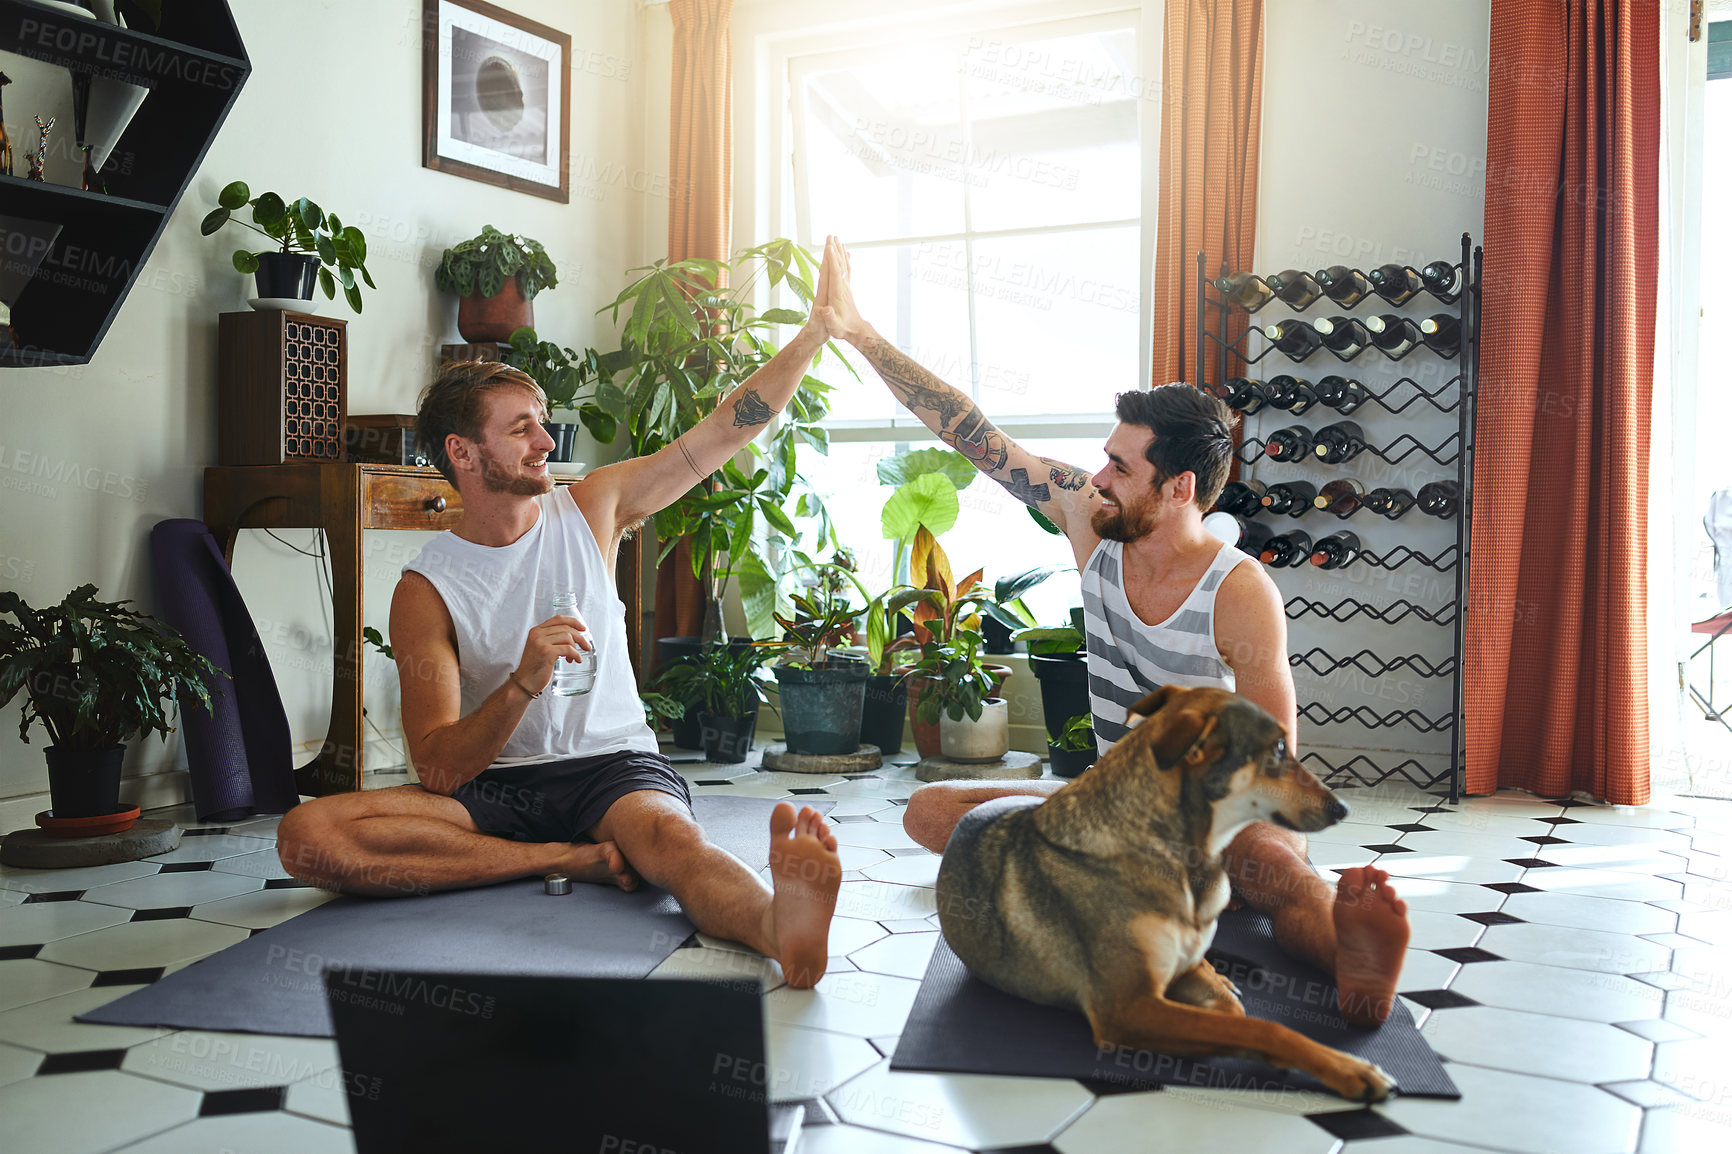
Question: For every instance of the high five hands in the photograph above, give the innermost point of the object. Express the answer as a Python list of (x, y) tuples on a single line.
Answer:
[(833, 308)]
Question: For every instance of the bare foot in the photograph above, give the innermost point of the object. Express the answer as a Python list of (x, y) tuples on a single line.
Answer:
[(601, 863), (806, 874), (1371, 934)]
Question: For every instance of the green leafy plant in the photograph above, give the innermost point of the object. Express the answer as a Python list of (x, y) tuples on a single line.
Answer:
[(1078, 735), (296, 226), (479, 265), (95, 673), (659, 707), (822, 618), (377, 640), (1050, 639), (927, 482), (958, 682), (691, 333), (562, 373), (721, 680)]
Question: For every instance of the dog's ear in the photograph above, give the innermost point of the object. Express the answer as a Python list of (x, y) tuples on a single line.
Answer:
[(1174, 732), (1151, 705)]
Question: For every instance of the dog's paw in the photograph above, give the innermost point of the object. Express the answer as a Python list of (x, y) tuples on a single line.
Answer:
[(1366, 1082)]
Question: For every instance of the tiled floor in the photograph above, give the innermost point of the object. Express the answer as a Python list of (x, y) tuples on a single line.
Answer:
[(1572, 963)]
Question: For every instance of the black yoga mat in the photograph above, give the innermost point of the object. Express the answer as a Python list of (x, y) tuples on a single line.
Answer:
[(271, 983), (961, 1025)]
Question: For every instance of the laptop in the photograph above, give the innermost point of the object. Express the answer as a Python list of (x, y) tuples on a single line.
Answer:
[(465, 1063)]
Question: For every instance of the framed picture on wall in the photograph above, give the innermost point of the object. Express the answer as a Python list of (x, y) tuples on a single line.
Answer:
[(496, 105)]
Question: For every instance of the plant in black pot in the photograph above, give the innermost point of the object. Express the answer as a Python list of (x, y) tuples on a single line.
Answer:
[(563, 374), (1056, 658), (1073, 749), (307, 242), (96, 675), (821, 692), (496, 275), (722, 688)]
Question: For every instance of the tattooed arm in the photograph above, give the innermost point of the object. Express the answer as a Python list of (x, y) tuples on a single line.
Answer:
[(1061, 492), (618, 496)]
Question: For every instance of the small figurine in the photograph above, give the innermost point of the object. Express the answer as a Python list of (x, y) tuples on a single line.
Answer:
[(5, 141), (40, 156)]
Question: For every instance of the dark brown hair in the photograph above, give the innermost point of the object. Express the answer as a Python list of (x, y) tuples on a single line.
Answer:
[(456, 402), (1193, 432)]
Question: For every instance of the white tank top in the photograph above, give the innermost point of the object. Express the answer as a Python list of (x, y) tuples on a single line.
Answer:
[(496, 594), (1129, 660)]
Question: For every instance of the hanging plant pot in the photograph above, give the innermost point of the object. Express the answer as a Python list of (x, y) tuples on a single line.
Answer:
[(286, 275), (977, 741), (821, 707), (727, 739), (481, 319), (884, 712), (84, 783)]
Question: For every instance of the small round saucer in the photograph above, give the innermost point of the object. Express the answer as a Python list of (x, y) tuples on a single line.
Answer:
[(285, 304), (566, 468)]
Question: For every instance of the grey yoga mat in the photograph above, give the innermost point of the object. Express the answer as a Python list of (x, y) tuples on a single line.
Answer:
[(271, 983), (961, 1025)]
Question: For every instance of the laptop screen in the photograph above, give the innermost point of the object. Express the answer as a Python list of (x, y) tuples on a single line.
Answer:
[(472, 1062)]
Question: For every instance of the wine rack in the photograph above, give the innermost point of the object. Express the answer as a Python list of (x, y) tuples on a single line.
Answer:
[(1426, 626)]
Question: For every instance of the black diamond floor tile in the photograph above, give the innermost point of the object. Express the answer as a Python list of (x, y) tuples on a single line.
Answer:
[(1572, 803), (1430, 809), (257, 932), (1510, 887), (714, 781), (207, 831), (1389, 847), (1415, 827), (185, 867), (254, 1100), (1548, 840), (14, 953), (1467, 955), (1532, 863), (1492, 918), (1560, 820), (1439, 999), (805, 792), (1101, 1088), (1351, 1125), (138, 977), (162, 914), (56, 896), (1041, 1148), (691, 943), (82, 1061), (287, 884)]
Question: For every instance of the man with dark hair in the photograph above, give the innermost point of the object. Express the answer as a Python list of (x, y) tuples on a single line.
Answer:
[(1164, 603), (517, 779)]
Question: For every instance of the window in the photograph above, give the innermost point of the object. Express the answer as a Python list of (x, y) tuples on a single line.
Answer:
[(988, 186)]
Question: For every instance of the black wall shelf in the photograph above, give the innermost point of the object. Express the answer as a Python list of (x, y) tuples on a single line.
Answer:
[(194, 66)]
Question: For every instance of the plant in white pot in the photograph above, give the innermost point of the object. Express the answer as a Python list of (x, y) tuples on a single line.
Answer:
[(96, 675), (973, 725), (308, 244), (496, 277)]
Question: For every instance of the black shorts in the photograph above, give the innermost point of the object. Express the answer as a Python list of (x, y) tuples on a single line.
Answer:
[(562, 800)]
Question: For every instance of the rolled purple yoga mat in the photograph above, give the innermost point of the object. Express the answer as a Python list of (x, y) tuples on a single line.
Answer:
[(239, 756)]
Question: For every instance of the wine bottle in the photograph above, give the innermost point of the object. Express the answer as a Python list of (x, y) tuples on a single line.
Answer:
[(1295, 288), (1440, 498), (1285, 549), (1290, 497), (1241, 498), (1253, 535), (1344, 336), (1290, 444), (1345, 286), (1336, 550), (1295, 338), (1441, 334), (1395, 283), (1439, 277), (1339, 443), (1342, 497), (1394, 335), (1291, 393), (1391, 503), (1246, 395), (1246, 290), (1343, 394)]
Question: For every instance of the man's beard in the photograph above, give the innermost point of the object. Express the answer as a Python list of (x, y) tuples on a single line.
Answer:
[(496, 480), (1122, 525)]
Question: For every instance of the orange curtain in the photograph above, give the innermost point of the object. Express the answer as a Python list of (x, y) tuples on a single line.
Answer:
[(1212, 76), (1556, 668), (701, 173)]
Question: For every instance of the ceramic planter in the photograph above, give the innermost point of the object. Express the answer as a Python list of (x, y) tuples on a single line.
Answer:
[(821, 707), (977, 741), (564, 435), (884, 712), (927, 742), (84, 782), (287, 275), (481, 319), (727, 739)]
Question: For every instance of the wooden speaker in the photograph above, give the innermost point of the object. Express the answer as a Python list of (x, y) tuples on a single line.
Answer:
[(281, 388)]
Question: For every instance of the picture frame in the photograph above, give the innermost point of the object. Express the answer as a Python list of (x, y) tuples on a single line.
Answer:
[(496, 98)]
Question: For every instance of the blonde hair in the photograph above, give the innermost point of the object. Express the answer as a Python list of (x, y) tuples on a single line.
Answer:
[(456, 402)]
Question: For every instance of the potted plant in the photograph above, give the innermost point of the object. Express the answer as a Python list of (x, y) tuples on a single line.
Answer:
[(496, 276), (96, 675), (562, 374), (822, 693), (1055, 656), (1073, 749), (309, 245), (957, 697), (722, 689), (659, 708)]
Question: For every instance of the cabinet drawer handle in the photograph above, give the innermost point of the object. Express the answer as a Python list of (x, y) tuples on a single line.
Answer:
[(437, 504)]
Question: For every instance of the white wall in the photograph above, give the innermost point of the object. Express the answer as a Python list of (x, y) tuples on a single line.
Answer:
[(332, 111)]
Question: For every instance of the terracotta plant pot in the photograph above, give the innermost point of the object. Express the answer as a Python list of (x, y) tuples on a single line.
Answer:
[(481, 319)]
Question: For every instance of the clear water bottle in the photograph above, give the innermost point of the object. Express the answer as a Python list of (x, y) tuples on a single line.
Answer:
[(571, 675)]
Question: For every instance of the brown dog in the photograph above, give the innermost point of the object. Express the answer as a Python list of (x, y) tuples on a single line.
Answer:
[(1104, 896)]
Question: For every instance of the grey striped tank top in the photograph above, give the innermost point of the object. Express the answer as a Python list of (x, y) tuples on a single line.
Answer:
[(1128, 659)]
